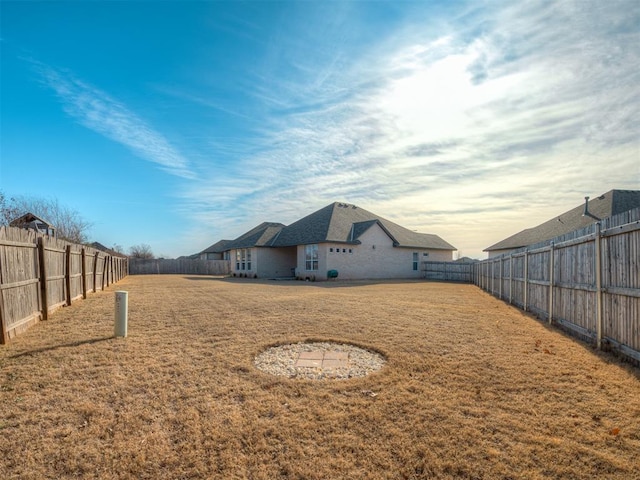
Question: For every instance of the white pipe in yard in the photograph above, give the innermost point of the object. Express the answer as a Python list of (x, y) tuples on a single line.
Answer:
[(122, 305)]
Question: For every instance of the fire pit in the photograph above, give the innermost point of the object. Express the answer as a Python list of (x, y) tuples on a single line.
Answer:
[(319, 360)]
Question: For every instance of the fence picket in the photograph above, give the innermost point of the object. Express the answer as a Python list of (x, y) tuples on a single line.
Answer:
[(39, 273)]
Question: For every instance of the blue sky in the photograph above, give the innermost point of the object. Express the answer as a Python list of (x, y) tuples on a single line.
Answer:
[(177, 124)]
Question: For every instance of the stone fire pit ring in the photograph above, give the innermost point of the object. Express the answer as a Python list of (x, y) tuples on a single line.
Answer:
[(319, 360)]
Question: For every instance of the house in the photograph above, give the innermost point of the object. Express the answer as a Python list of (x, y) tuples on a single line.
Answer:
[(253, 254), (33, 222), (110, 251), (339, 238), (611, 203), (214, 252)]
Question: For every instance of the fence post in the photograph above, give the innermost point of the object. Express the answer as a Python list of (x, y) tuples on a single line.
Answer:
[(493, 277), (83, 256), (551, 269), (526, 280), (485, 275), (487, 285), (510, 278), (3, 334), (104, 271), (67, 274), (501, 258), (95, 271), (43, 279), (598, 285)]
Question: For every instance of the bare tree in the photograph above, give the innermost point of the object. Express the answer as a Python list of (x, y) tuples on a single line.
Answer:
[(142, 251), (68, 223)]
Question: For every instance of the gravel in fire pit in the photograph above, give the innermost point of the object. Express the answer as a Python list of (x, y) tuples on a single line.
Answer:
[(283, 360)]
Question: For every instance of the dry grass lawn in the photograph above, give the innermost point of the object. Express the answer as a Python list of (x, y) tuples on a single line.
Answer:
[(472, 388)]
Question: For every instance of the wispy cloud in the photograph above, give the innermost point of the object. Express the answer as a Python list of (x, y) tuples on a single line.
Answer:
[(506, 122), (98, 111)]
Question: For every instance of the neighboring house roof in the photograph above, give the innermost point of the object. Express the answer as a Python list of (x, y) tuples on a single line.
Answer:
[(33, 222), (466, 260), (218, 247), (26, 219), (259, 236), (345, 223), (611, 203), (102, 248)]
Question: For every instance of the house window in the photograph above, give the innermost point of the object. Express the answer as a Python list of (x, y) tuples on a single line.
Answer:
[(344, 250), (415, 261), (350, 251), (248, 259), (311, 257), (331, 249), (237, 259)]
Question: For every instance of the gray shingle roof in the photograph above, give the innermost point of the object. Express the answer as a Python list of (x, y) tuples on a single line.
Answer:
[(611, 203), (218, 247), (260, 236), (344, 223)]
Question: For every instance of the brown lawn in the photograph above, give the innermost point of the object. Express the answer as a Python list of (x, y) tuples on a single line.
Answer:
[(472, 388)]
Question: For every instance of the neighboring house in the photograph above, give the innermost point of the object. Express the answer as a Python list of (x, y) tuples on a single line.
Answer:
[(467, 260), (110, 251), (611, 203), (33, 222), (342, 237), (214, 252)]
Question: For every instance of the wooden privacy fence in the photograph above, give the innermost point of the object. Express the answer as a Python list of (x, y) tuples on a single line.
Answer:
[(590, 285), (449, 271), (181, 266), (39, 274)]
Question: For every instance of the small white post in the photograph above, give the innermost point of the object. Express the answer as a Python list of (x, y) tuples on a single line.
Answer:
[(122, 305)]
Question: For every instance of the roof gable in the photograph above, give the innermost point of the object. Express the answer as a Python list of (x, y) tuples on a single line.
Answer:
[(358, 229)]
